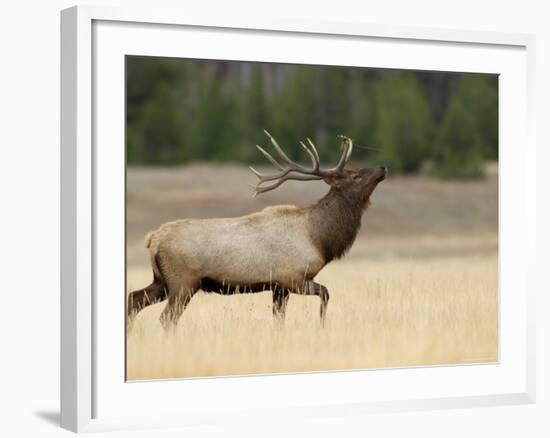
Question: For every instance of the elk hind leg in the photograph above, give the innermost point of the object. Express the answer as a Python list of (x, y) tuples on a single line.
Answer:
[(179, 295), (139, 299)]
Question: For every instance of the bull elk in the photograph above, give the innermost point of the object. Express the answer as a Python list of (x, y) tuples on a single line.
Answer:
[(279, 249)]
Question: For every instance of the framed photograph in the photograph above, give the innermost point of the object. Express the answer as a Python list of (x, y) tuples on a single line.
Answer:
[(270, 219)]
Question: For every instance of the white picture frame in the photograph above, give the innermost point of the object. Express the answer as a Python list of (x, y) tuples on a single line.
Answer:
[(94, 41)]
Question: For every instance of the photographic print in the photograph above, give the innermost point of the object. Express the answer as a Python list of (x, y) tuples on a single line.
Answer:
[(287, 218)]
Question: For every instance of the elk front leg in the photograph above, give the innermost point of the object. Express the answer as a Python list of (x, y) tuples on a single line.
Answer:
[(280, 300), (313, 288)]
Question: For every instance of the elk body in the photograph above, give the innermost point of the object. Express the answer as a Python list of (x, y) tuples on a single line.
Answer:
[(279, 249)]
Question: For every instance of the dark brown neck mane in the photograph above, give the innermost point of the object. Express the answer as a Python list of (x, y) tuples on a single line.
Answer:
[(335, 221)]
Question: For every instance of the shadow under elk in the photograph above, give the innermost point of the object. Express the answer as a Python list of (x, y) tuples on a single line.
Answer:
[(279, 249)]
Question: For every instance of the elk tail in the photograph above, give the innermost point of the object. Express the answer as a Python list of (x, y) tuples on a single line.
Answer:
[(155, 265), (157, 273), (148, 238)]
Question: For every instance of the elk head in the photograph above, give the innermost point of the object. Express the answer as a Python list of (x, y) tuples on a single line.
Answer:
[(356, 184)]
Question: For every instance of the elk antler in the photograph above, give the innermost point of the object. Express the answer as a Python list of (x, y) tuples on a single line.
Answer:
[(295, 171)]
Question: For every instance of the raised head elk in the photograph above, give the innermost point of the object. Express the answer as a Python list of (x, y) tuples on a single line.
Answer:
[(279, 249)]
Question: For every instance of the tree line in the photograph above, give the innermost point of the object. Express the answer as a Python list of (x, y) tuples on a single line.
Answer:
[(182, 110)]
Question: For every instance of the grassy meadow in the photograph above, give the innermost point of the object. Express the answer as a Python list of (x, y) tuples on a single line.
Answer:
[(419, 286)]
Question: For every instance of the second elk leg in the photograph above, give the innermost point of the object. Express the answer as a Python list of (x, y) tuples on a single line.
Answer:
[(321, 291), (280, 300)]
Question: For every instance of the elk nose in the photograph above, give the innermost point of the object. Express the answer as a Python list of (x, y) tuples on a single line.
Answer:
[(384, 168)]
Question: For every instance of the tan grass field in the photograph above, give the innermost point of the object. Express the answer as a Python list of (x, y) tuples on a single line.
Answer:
[(419, 287)]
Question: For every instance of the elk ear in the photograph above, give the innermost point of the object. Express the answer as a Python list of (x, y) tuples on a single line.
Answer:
[(331, 180), (337, 180)]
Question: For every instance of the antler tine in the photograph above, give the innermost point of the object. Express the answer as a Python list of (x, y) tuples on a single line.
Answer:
[(265, 178), (346, 154), (269, 157), (258, 174), (284, 156), (314, 149), (314, 159), (350, 149), (258, 189), (293, 170)]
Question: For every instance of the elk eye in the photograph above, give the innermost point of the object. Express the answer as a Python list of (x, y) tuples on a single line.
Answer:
[(357, 177)]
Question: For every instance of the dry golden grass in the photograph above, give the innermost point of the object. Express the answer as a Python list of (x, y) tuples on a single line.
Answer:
[(382, 313), (419, 286)]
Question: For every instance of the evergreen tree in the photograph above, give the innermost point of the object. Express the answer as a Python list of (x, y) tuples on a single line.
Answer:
[(403, 122), (181, 110), (214, 133), (359, 123), (253, 114), (469, 131), (294, 113), (157, 135)]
